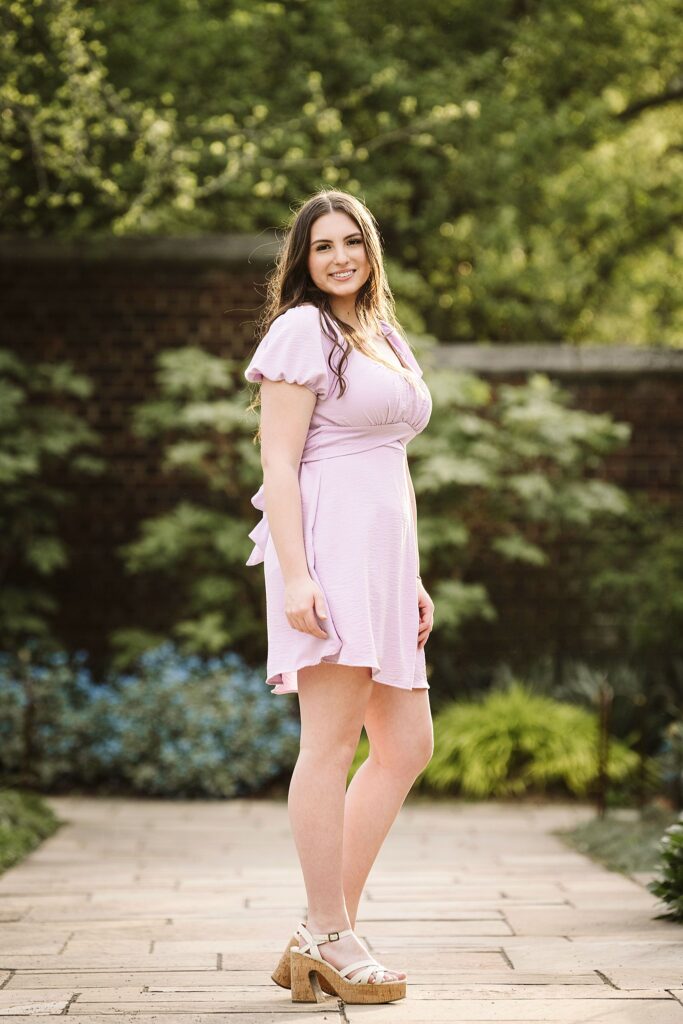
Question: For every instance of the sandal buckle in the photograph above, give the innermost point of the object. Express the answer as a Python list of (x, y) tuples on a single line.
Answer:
[(332, 936)]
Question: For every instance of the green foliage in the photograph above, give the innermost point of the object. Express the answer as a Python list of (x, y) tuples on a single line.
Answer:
[(628, 578), (637, 581), (670, 760), (175, 726), (77, 152), (43, 440), (505, 474), (669, 886), (641, 705), (553, 131), (25, 821), (199, 544), (516, 742)]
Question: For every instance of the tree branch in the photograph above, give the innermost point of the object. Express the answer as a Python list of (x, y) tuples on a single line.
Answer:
[(670, 96)]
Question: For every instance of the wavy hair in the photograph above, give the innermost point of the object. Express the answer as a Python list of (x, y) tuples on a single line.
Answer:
[(290, 284)]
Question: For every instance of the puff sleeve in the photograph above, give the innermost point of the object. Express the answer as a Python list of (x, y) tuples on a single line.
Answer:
[(292, 350)]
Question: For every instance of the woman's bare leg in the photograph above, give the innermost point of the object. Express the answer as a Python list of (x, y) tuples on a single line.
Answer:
[(399, 728), (332, 702)]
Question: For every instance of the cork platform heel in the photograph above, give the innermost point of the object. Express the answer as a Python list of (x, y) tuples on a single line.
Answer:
[(309, 970), (282, 975)]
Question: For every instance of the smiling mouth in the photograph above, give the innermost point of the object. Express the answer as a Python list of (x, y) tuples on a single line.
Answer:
[(343, 275)]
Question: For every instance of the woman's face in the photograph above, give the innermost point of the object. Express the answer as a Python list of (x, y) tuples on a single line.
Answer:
[(337, 260)]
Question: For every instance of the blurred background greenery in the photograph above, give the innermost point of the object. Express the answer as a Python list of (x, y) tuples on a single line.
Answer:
[(524, 159)]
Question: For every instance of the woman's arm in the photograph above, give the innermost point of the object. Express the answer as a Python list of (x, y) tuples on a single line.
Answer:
[(286, 411)]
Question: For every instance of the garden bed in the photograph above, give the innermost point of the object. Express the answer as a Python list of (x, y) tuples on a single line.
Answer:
[(625, 840)]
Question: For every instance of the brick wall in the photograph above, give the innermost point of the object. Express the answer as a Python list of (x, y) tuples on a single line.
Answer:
[(110, 307)]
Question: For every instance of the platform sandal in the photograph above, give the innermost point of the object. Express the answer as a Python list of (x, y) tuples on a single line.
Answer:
[(282, 975), (309, 969)]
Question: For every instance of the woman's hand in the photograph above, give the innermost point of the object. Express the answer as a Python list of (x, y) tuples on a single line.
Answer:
[(303, 601), (426, 606)]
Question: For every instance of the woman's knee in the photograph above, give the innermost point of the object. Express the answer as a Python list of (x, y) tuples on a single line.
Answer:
[(400, 730), (408, 757), (421, 750), (337, 755)]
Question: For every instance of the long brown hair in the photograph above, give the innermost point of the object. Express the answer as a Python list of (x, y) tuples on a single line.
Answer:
[(290, 283)]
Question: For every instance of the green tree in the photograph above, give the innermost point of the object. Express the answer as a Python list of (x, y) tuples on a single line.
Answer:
[(523, 159)]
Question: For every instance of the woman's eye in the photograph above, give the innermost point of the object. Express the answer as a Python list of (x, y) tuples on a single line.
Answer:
[(352, 241)]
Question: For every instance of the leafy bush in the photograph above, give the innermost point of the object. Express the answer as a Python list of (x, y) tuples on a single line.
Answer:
[(178, 726), (43, 442), (638, 707), (504, 475), (669, 887), (670, 762), (515, 742), (635, 578), (201, 544), (25, 820)]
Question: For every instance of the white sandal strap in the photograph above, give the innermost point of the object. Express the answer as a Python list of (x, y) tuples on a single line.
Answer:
[(310, 946), (331, 936), (371, 967)]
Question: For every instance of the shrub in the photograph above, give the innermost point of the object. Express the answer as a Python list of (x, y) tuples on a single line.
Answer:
[(45, 445), (177, 726), (25, 820), (186, 727), (514, 742), (670, 761), (669, 887)]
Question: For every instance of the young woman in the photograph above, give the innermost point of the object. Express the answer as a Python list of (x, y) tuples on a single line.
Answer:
[(348, 617)]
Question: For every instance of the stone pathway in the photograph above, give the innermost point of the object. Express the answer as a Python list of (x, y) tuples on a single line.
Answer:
[(160, 912)]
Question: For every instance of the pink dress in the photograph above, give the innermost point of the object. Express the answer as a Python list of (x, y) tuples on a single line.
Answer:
[(356, 507)]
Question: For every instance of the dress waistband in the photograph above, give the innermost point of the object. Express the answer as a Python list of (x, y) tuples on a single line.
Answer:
[(327, 442)]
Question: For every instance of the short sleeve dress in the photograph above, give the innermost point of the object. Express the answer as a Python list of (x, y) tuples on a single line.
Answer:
[(357, 513)]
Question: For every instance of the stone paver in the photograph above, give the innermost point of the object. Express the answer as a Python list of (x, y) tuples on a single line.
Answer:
[(160, 912)]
